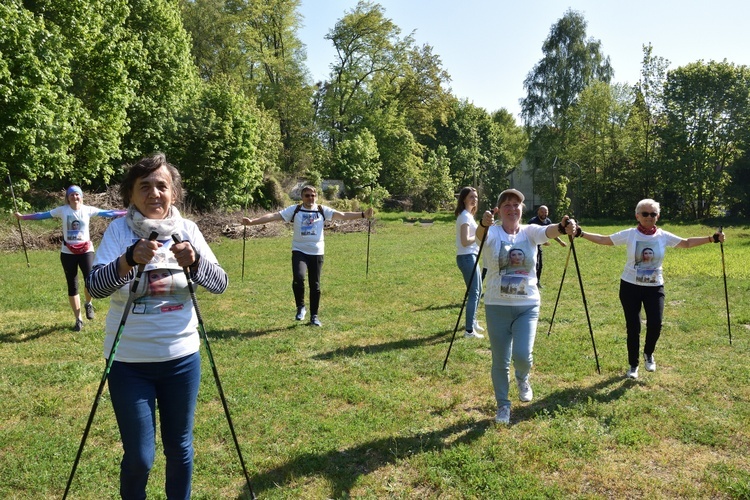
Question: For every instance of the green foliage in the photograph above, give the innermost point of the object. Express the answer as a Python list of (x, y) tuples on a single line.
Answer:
[(438, 190), (357, 161), (707, 107), (218, 139), (36, 132)]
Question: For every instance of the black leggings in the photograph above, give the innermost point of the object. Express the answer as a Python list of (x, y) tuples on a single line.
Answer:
[(71, 263), (312, 265), (631, 298)]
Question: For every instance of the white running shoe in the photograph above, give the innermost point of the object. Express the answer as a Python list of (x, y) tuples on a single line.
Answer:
[(477, 326), (525, 393), (503, 415), (650, 363), (473, 335), (632, 372)]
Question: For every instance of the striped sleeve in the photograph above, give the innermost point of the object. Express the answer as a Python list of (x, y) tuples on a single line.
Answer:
[(104, 280), (211, 276)]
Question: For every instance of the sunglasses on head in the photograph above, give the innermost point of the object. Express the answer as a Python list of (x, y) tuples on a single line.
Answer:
[(649, 214)]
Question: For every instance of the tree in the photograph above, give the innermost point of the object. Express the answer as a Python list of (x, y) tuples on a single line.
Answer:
[(357, 162), (367, 47), (161, 72), (216, 147), (707, 109), (571, 62)]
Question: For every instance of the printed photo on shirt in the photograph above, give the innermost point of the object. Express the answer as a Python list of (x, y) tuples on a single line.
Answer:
[(165, 292), (307, 227), (515, 268), (74, 231), (648, 259)]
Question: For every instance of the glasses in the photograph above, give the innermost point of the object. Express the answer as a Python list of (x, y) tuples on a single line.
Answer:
[(309, 195), (649, 214)]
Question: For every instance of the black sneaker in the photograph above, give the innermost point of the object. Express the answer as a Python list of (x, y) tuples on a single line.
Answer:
[(89, 310), (314, 321), (79, 325)]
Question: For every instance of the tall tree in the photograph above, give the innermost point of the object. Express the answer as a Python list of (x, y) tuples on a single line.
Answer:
[(161, 73), (36, 132), (707, 108), (571, 62), (367, 46)]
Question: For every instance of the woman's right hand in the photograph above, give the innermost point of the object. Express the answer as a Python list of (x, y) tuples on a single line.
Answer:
[(18, 215), (246, 221)]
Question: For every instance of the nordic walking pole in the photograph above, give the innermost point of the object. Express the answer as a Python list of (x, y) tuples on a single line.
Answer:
[(466, 295), (110, 360), (726, 295), (554, 311), (19, 221), (369, 227), (585, 305), (176, 238), (244, 239)]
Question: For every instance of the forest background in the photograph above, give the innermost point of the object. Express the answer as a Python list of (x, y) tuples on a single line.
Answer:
[(88, 86)]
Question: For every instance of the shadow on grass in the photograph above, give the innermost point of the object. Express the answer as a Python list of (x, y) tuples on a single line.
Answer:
[(233, 333), (601, 392), (342, 468), (439, 308), (356, 350), (28, 334)]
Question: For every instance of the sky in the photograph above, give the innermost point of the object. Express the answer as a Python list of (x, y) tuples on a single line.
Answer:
[(490, 46)]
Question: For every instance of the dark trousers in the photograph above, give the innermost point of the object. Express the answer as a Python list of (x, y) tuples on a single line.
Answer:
[(71, 263), (538, 264), (652, 298), (313, 266)]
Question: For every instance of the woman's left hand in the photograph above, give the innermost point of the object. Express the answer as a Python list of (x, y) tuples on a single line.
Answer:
[(184, 253)]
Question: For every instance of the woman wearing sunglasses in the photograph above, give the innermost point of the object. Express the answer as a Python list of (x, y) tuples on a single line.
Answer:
[(642, 281)]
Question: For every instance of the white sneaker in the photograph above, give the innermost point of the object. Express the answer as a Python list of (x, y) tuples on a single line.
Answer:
[(632, 372), (525, 393), (503, 415), (473, 335), (477, 327), (650, 363)]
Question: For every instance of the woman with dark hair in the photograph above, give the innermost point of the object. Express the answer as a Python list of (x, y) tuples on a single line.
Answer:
[(467, 250), (77, 250), (642, 282), (157, 362)]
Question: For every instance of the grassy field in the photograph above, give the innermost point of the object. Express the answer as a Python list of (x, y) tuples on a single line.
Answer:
[(362, 408)]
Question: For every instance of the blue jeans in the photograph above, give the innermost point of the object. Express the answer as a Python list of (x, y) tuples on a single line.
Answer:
[(135, 389), (512, 330), (468, 265)]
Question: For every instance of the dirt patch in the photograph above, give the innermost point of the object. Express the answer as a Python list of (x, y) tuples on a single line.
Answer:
[(212, 225)]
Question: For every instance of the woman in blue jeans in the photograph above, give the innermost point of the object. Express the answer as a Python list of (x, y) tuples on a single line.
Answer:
[(157, 362), (512, 297), (467, 250)]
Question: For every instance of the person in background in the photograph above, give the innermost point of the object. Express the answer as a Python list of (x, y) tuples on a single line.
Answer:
[(542, 218), (77, 251), (643, 286), (157, 362), (467, 250), (511, 298), (308, 245)]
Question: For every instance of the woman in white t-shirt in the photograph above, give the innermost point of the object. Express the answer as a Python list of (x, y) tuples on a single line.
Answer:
[(157, 361), (77, 250), (511, 297), (467, 250), (642, 281)]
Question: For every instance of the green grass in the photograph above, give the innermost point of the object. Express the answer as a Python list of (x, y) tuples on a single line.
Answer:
[(361, 407)]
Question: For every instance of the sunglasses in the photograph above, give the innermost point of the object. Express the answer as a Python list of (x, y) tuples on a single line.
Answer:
[(309, 195), (649, 214)]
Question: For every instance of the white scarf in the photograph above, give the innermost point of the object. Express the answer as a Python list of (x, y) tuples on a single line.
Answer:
[(143, 227)]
